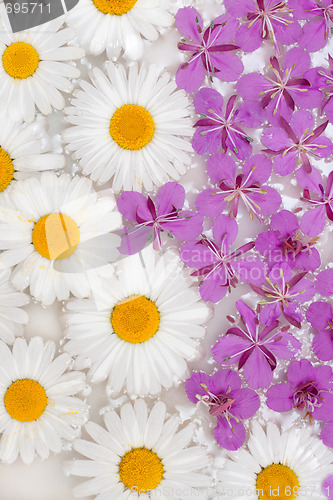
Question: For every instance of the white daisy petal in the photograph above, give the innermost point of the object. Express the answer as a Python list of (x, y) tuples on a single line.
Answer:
[(121, 331), (284, 464), (139, 470), (32, 421), (107, 146), (30, 85)]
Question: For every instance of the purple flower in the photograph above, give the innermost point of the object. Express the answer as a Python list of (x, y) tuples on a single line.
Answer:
[(227, 401), (320, 315), (254, 347), (216, 129), (233, 187), (320, 15), (313, 221), (285, 243), (283, 87), (211, 50), (293, 144), (217, 265), (282, 293), (267, 19), (322, 79), (151, 219), (309, 389), (324, 283)]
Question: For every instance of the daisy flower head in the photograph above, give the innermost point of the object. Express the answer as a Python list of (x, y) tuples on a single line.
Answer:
[(278, 464), (56, 231), (22, 153), (12, 317), (119, 25), (141, 328), (34, 69), (140, 454), (38, 407), (130, 126)]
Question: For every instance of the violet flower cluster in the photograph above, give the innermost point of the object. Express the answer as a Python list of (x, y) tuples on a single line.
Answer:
[(291, 103)]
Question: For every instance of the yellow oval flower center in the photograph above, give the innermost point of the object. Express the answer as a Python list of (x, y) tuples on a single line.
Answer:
[(114, 7), (6, 169), (20, 60), (132, 127), (277, 481), (135, 319), (141, 469), (56, 236), (25, 400)]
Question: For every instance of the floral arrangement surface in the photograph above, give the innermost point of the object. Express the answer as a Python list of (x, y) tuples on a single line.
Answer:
[(166, 250)]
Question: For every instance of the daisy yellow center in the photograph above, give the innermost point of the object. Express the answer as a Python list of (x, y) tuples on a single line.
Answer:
[(114, 7), (132, 127), (6, 170), (20, 60), (56, 236), (25, 400), (135, 319), (141, 470), (277, 482)]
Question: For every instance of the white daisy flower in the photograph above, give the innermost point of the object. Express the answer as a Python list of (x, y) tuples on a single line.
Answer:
[(141, 454), (11, 316), (116, 25), (58, 232), (22, 153), (37, 407), (279, 465), (130, 126), (141, 328), (34, 69)]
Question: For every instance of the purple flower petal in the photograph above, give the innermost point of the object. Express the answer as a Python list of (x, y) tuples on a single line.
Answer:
[(208, 99), (196, 255), (309, 181), (302, 10), (229, 66), (257, 371), (298, 60), (313, 221), (188, 227), (214, 288), (170, 196), (326, 435), (324, 283), (302, 120), (210, 202), (246, 405), (258, 169), (325, 411), (280, 397), (224, 381), (193, 386), (284, 346), (270, 313), (319, 314), (190, 75), (268, 202), (248, 316), (300, 372), (249, 39), (188, 20), (313, 37), (323, 345), (206, 144), (285, 164), (221, 167), (250, 270), (249, 86), (230, 438), (276, 138), (134, 239), (132, 203), (239, 9), (226, 230), (285, 223), (228, 349)]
